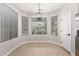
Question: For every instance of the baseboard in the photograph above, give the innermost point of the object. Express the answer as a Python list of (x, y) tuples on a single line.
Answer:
[(30, 42), (15, 48)]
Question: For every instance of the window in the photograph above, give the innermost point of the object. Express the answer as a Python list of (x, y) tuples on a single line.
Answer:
[(39, 25), (9, 23), (54, 25), (24, 25)]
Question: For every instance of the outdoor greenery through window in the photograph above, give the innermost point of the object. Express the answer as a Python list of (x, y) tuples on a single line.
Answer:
[(24, 25), (39, 25), (54, 25)]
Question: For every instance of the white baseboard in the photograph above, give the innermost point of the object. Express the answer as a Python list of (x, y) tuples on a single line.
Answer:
[(15, 48)]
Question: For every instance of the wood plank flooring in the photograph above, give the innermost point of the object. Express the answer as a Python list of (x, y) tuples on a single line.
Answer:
[(39, 49)]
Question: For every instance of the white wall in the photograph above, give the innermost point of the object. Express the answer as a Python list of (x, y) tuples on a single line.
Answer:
[(65, 17), (47, 37), (8, 45), (67, 14)]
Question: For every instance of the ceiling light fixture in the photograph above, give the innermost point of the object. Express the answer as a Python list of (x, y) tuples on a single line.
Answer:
[(39, 12)]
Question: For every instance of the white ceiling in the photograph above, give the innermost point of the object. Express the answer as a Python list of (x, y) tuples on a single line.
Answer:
[(33, 7)]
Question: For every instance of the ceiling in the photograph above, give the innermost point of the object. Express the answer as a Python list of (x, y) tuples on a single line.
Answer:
[(33, 7)]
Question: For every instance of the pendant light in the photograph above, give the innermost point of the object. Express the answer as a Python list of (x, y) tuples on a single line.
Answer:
[(39, 13)]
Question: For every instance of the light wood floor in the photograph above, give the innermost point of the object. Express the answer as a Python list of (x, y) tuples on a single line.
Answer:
[(39, 49)]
